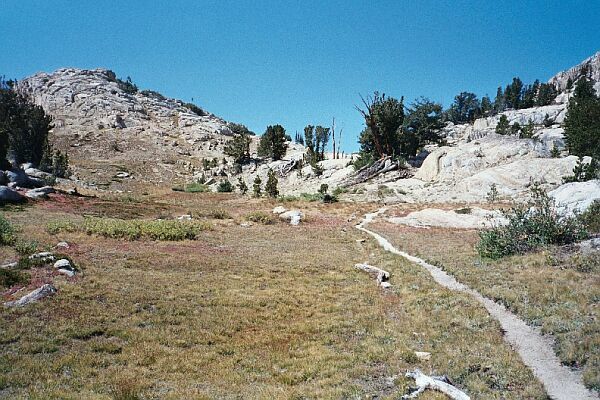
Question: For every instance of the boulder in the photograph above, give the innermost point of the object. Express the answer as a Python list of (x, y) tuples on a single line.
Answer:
[(44, 256), (36, 173), (18, 177), (294, 216), (63, 263), (576, 196), (32, 297), (279, 210), (8, 195), (40, 193)]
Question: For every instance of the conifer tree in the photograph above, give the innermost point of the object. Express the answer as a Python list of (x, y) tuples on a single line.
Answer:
[(271, 185)]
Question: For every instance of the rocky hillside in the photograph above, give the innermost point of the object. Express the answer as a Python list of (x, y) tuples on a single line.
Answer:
[(113, 135), (116, 138)]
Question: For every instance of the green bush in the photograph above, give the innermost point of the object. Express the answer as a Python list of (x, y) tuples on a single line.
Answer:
[(54, 227), (530, 226), (260, 217), (196, 187), (24, 247), (591, 217), (7, 232), (9, 277), (225, 187)]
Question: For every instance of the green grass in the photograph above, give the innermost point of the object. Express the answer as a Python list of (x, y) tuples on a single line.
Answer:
[(134, 229)]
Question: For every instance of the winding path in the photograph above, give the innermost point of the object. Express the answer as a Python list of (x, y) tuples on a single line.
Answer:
[(536, 351)]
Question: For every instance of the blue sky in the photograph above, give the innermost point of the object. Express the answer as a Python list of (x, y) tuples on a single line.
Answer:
[(301, 62)]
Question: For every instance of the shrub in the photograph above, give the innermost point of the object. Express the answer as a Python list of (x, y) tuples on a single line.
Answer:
[(196, 188), (555, 152), (7, 232), (195, 109), (9, 277), (583, 172), (225, 187), (127, 85), (465, 210), (54, 227), (324, 188), (24, 247), (242, 186), (260, 217), (530, 226), (492, 194), (591, 217)]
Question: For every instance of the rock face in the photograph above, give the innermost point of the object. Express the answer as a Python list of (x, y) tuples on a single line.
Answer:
[(576, 196), (590, 67), (470, 218), (99, 124)]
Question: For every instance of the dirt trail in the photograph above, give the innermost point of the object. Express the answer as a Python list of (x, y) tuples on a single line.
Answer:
[(536, 350)]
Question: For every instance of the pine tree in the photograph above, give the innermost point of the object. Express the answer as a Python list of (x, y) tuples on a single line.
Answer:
[(256, 186), (503, 126), (527, 131), (271, 186), (582, 125), (273, 143), (242, 186)]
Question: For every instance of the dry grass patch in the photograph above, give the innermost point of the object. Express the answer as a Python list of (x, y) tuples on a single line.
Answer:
[(269, 311), (560, 296)]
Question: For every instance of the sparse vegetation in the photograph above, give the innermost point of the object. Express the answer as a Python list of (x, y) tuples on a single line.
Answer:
[(7, 232), (260, 217), (134, 229), (530, 226)]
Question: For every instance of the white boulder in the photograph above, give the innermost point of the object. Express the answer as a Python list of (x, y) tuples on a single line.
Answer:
[(576, 196)]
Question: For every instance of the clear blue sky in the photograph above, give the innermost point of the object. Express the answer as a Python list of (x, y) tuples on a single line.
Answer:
[(300, 62)]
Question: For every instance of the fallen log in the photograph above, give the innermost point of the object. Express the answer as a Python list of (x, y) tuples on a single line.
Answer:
[(32, 297), (382, 276), (438, 383), (367, 172)]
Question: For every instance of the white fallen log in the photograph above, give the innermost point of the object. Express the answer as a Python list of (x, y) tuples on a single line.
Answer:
[(382, 276), (32, 297), (425, 382)]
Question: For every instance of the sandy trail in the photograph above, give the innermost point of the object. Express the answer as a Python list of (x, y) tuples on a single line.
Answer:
[(536, 351)]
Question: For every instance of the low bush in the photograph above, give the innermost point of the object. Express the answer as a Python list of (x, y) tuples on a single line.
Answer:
[(260, 217), (530, 226), (7, 232), (591, 217), (54, 227), (225, 187), (135, 229), (196, 188), (9, 277)]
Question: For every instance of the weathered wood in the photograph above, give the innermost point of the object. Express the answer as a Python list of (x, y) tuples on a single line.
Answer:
[(382, 276), (32, 297), (440, 384), (367, 172)]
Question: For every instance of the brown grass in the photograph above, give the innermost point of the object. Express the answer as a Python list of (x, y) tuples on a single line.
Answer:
[(545, 290), (267, 311)]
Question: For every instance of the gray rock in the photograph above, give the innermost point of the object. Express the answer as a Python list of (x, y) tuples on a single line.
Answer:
[(33, 296), (294, 216), (8, 195), (36, 173), (62, 245), (63, 263), (40, 193), (44, 256), (68, 272)]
